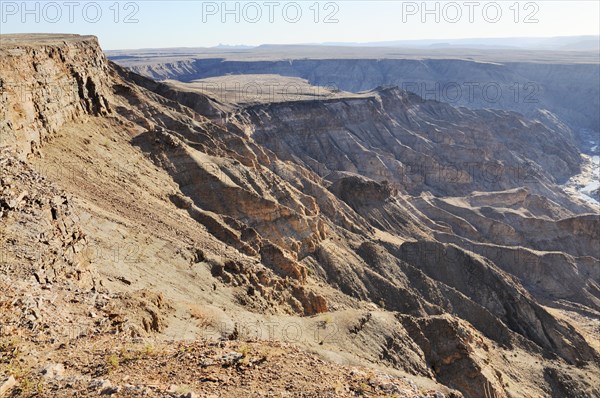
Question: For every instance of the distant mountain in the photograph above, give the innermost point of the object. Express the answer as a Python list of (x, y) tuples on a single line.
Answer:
[(580, 43), (233, 46)]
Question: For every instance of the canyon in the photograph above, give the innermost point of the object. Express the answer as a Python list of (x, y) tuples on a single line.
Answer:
[(361, 241)]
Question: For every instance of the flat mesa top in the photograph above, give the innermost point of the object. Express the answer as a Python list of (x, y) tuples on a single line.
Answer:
[(32, 39), (320, 52)]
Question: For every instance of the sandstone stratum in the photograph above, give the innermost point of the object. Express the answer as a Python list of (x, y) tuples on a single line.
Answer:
[(159, 241)]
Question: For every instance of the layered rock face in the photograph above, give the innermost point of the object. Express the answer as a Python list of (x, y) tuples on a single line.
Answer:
[(46, 84), (291, 210), (418, 145)]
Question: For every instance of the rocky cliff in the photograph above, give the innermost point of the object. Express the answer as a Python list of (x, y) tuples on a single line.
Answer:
[(47, 83)]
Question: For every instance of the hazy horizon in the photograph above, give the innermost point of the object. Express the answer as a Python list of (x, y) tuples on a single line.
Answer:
[(418, 43), (193, 24)]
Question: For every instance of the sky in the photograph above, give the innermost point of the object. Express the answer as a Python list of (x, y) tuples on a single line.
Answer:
[(160, 24)]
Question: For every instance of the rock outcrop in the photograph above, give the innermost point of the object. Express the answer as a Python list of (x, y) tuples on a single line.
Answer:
[(41, 236), (47, 82)]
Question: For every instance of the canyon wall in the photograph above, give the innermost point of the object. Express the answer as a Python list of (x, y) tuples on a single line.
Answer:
[(570, 91)]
